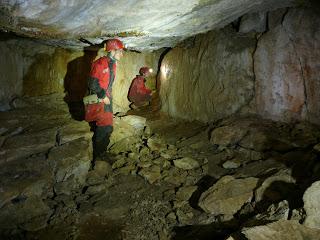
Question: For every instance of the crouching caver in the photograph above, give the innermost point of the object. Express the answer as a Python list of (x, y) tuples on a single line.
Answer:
[(99, 111), (139, 94)]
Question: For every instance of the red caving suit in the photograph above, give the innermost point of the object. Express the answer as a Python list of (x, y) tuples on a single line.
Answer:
[(100, 82), (101, 79), (138, 92)]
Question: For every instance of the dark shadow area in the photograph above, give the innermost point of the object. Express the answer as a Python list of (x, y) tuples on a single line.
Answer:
[(75, 82), (315, 5), (304, 165), (203, 185), (279, 191), (91, 228), (9, 35), (96, 228), (214, 231), (217, 231), (303, 170)]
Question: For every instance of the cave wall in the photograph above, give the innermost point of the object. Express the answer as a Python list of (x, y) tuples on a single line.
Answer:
[(16, 57), (47, 74), (268, 65), (30, 68), (212, 79), (8, 79), (287, 67), (127, 69)]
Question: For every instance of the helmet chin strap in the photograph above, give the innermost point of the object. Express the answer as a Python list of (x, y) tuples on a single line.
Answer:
[(111, 57)]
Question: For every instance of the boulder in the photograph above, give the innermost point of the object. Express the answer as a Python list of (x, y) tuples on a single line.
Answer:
[(174, 176), (151, 174), (281, 230), (184, 193), (227, 135), (126, 144), (230, 164), (29, 213), (228, 195), (265, 135), (186, 163), (126, 127), (71, 161), (312, 205), (27, 144), (29, 178), (74, 130), (155, 143)]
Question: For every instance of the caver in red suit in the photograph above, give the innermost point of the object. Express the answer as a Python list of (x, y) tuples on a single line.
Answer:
[(139, 94), (101, 79)]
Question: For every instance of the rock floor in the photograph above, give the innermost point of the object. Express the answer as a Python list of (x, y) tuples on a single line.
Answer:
[(238, 178)]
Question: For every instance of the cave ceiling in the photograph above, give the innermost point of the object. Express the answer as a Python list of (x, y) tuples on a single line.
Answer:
[(143, 25)]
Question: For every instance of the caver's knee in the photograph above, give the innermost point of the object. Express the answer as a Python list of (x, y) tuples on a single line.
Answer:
[(102, 132)]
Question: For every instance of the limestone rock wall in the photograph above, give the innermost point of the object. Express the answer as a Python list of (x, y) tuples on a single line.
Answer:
[(33, 69), (9, 88), (16, 58), (287, 68), (270, 66), (211, 80), (47, 72)]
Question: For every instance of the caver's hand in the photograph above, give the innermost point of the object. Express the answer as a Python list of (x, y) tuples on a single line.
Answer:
[(106, 100)]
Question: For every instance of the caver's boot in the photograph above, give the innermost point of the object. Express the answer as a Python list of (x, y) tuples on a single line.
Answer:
[(105, 157)]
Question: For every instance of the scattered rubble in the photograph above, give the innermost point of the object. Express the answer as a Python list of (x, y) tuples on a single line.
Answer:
[(159, 179)]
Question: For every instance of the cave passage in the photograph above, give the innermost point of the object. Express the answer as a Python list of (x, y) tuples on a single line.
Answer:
[(226, 145)]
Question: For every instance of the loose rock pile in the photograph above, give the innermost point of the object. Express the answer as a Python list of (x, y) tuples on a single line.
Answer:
[(164, 179), (45, 155)]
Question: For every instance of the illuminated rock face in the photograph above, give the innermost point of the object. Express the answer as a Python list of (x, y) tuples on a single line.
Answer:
[(211, 80), (127, 69), (143, 24)]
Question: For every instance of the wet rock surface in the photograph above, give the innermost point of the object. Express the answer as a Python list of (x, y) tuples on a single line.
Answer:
[(163, 178)]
